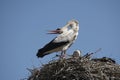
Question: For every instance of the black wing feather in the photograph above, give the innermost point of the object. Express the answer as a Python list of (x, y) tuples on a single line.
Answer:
[(50, 46)]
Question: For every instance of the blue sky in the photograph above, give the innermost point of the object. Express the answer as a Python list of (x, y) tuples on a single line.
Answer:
[(24, 24)]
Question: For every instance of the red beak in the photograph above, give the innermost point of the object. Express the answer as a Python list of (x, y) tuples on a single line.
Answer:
[(54, 32)]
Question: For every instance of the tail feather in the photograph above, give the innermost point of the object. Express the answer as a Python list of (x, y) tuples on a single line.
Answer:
[(41, 53)]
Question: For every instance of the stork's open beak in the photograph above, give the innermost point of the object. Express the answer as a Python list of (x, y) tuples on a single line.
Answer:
[(54, 32)]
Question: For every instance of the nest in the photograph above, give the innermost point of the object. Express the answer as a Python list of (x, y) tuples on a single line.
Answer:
[(82, 68)]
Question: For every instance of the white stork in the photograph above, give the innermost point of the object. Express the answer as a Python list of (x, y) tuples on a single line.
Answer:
[(76, 54), (67, 35)]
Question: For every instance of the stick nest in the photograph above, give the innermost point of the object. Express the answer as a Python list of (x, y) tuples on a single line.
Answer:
[(82, 68)]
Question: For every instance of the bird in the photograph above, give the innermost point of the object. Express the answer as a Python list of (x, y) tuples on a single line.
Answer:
[(76, 54), (66, 37)]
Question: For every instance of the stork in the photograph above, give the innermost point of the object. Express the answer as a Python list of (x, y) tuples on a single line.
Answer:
[(76, 54), (67, 36)]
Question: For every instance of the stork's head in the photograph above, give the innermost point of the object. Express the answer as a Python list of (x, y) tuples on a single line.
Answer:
[(73, 24), (76, 54)]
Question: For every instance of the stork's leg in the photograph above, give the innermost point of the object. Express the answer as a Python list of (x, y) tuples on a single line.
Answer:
[(63, 54)]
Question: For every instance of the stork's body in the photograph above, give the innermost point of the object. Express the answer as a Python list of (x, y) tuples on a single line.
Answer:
[(63, 41)]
